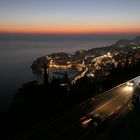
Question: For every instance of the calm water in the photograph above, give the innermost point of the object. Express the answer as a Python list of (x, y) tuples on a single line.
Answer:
[(17, 52)]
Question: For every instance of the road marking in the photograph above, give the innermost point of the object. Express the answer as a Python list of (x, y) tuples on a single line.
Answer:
[(118, 107), (105, 104), (110, 113), (126, 101), (130, 106)]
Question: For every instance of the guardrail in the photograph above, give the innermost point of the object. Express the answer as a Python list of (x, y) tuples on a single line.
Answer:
[(101, 94)]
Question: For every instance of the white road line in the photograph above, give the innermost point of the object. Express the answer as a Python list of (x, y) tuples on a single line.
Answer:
[(126, 101), (110, 113), (118, 107), (105, 104)]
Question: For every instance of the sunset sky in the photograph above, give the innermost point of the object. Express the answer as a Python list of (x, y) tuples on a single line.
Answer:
[(69, 16)]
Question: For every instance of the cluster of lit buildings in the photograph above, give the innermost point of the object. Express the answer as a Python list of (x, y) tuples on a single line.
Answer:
[(92, 63)]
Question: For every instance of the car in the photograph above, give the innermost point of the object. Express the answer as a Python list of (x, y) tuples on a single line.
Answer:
[(130, 83), (90, 119), (86, 119)]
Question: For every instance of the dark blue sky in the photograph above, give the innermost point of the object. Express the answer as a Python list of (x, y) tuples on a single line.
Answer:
[(70, 16)]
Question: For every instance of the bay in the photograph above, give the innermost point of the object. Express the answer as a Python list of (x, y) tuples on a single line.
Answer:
[(17, 53)]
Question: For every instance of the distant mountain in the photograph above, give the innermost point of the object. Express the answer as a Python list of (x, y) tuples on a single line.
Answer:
[(121, 43), (125, 42), (137, 39)]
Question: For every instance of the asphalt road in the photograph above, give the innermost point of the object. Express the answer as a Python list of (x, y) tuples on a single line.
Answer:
[(69, 125)]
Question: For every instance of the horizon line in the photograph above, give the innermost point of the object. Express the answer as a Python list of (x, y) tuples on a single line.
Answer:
[(40, 33)]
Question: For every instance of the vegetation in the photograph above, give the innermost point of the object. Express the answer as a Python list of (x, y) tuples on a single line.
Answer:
[(36, 102)]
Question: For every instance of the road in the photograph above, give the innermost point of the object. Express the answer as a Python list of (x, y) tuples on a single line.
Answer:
[(68, 125)]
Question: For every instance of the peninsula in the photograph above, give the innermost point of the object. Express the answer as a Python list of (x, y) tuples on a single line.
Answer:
[(95, 62)]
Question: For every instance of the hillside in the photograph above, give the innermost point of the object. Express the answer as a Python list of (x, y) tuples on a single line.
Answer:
[(125, 42)]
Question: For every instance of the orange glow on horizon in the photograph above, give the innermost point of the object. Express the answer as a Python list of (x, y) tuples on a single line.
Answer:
[(70, 30)]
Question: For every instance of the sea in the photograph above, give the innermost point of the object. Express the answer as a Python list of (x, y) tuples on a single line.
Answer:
[(18, 51)]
